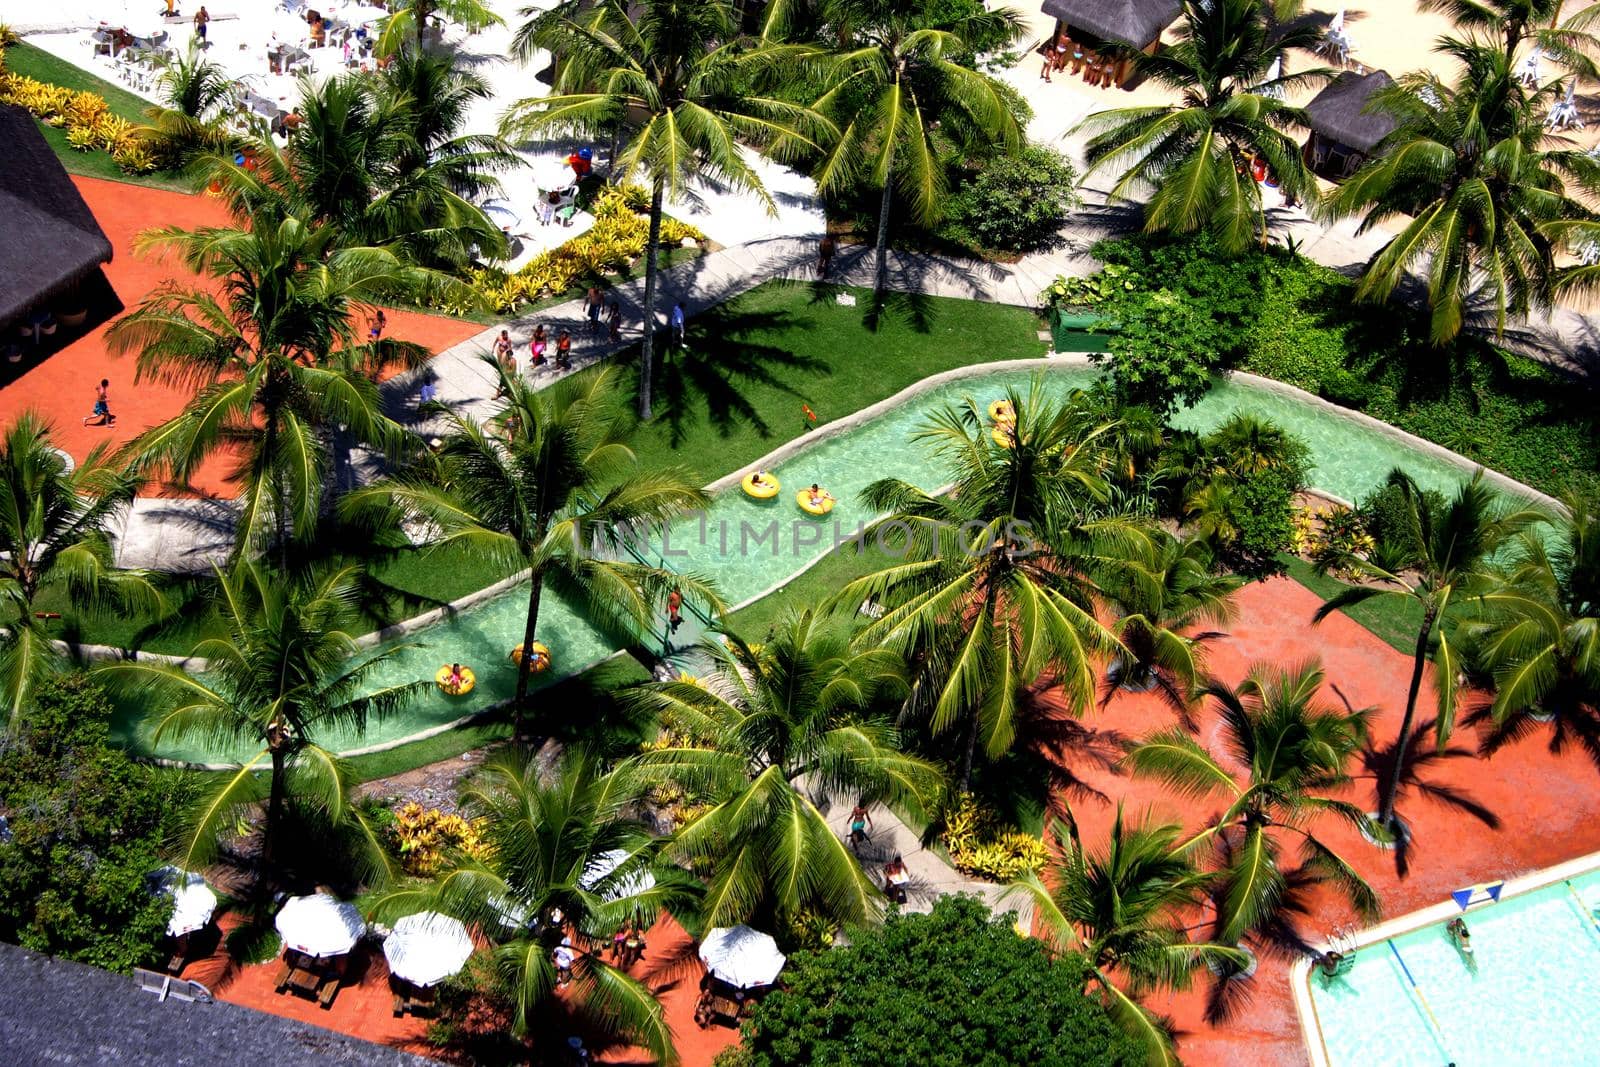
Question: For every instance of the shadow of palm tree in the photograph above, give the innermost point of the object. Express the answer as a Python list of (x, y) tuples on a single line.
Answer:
[(1423, 760), (1230, 990), (1578, 727)]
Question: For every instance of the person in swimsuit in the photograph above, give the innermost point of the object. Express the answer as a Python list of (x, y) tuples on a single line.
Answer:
[(539, 344), (860, 823), (564, 351), (102, 406)]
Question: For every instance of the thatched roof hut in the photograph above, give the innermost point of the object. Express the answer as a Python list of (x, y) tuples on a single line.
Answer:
[(1340, 113), (1137, 23), (50, 240)]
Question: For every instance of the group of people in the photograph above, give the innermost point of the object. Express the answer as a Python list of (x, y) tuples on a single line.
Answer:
[(895, 875), (1068, 56), (505, 352)]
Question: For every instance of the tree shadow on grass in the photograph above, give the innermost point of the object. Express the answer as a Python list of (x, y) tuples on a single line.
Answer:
[(717, 366)]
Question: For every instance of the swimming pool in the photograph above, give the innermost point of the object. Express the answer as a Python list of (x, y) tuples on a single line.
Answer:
[(736, 546), (1412, 1000)]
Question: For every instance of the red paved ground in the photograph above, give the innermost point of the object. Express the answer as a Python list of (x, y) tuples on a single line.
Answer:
[(62, 386), (1547, 806)]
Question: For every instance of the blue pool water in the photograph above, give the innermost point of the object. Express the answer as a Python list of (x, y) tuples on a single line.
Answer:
[(747, 547), (1532, 999)]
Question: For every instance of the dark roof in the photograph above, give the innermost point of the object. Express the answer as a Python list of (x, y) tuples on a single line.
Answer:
[(1133, 22), (69, 1013), (1340, 111), (49, 239)]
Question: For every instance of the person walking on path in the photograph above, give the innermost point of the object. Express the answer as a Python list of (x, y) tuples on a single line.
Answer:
[(102, 406), (536, 347), (593, 303), (564, 351), (825, 252), (379, 321), (505, 355), (201, 17), (678, 321), (860, 823), (614, 320), (674, 611)]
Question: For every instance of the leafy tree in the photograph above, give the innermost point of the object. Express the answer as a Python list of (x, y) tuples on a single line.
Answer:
[(1486, 194), (1122, 910), (1160, 597), (1538, 633), (995, 586), (281, 670), (771, 726), (195, 92), (408, 22), (86, 824), (894, 74), (1193, 155), (566, 842), (1520, 21), (1014, 203), (1240, 495), (53, 540), (273, 351), (947, 989), (1294, 750), (1442, 552), (548, 487), (671, 77)]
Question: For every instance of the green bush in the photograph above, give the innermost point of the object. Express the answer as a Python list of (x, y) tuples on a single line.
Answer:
[(1383, 513), (86, 827), (1013, 203), (947, 989)]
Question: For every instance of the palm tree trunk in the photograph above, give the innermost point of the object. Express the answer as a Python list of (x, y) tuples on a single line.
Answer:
[(651, 263), (269, 834), (419, 12), (519, 701), (1392, 788), (881, 271)]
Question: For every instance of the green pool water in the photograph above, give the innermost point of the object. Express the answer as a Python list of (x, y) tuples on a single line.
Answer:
[(747, 547), (1531, 999)]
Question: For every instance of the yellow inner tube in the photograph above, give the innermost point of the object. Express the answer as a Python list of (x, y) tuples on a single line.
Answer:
[(803, 498), (468, 680), (1002, 436), (1000, 411), (765, 491), (540, 660)]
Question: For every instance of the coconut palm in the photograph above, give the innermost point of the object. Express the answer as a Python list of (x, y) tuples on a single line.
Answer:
[(994, 591), (1194, 155), (1122, 910), (1539, 630), (767, 729), (1517, 22), (378, 161), (281, 671), (894, 77), (195, 92), (273, 349), (1484, 192), (1160, 597), (406, 26), (53, 543), (672, 78), (1293, 750), (564, 842), (548, 488), (1443, 552)]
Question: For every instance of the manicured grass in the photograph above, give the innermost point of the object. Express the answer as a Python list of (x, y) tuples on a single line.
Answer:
[(24, 58), (1392, 619)]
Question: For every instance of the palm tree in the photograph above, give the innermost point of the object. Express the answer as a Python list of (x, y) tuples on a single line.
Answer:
[(1293, 750), (1159, 599), (566, 843), (1442, 553), (672, 75), (1194, 155), (1486, 193), (273, 352), (1539, 630), (995, 589), (771, 726), (195, 93), (1521, 21), (545, 495), (281, 669), (893, 78), (1122, 910), (53, 542), (404, 29), (379, 161)]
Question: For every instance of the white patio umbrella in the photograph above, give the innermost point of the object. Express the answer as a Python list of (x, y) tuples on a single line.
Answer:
[(502, 215), (319, 925), (629, 885), (742, 957), (426, 948), (193, 901), (1274, 72)]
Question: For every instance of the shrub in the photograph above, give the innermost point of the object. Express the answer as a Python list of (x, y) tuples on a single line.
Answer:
[(425, 837), (1014, 203), (1383, 514), (954, 987), (979, 845)]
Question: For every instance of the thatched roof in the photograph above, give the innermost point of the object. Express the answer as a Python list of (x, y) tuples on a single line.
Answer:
[(1340, 113), (1131, 22), (49, 239)]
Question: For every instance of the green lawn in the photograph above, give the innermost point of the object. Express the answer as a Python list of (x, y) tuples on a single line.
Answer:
[(1393, 619), (24, 58)]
